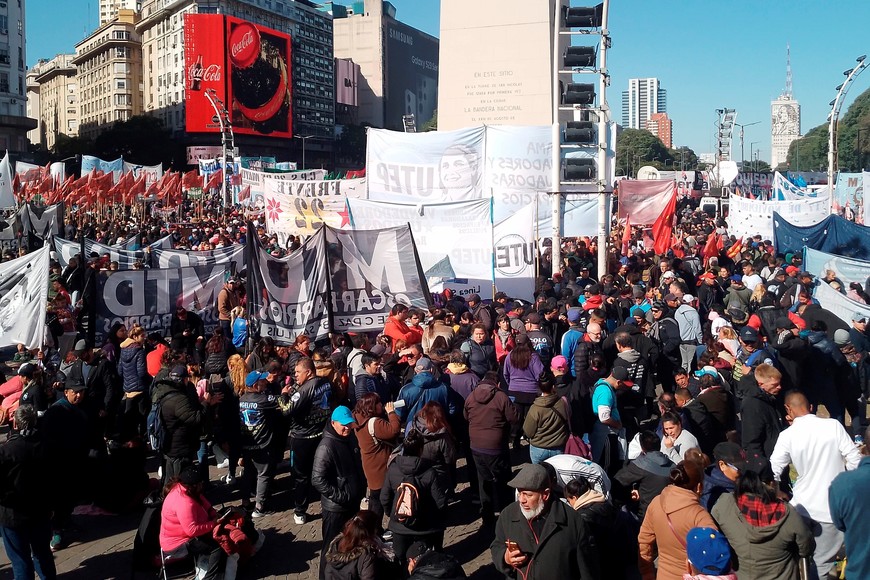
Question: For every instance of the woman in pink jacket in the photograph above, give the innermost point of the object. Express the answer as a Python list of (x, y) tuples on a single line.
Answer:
[(187, 519)]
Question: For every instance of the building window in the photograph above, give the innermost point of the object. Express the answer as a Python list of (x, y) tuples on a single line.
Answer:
[(120, 84)]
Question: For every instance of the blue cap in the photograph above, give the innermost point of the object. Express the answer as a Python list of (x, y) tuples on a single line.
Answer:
[(255, 376), (736, 278), (343, 415), (708, 551)]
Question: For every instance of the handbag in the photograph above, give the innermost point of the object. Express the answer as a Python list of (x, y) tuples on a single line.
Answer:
[(575, 444)]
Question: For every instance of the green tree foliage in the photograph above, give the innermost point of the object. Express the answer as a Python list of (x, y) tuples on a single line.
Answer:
[(810, 152), (636, 148), (431, 124)]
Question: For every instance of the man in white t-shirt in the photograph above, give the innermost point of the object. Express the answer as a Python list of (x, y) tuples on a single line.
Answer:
[(820, 449), (750, 278)]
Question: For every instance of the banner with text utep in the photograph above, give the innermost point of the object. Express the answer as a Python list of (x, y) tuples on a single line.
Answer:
[(288, 296), (149, 297)]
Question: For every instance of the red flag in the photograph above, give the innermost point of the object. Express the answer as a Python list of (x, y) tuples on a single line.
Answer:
[(663, 228), (138, 186), (626, 236), (711, 248), (734, 250), (245, 193), (191, 179), (214, 180), (46, 185)]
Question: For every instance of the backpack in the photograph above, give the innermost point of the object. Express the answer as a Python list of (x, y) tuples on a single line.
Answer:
[(407, 506), (155, 427)]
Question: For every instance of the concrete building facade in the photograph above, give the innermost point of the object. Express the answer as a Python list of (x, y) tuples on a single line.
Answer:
[(643, 99), (14, 123), (109, 64), (109, 9), (398, 64), (660, 125), (57, 99), (495, 64)]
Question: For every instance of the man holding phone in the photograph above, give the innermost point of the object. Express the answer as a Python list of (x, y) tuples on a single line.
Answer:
[(539, 537)]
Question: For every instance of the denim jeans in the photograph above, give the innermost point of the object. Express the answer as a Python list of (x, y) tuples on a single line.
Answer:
[(28, 550), (541, 454)]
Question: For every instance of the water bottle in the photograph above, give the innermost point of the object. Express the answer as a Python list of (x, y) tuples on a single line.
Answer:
[(859, 440)]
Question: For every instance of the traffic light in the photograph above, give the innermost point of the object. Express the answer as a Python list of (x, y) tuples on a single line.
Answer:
[(583, 16), (581, 133), (579, 94), (580, 57), (579, 169)]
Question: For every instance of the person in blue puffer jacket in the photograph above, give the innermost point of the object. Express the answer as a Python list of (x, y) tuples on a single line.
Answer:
[(133, 371)]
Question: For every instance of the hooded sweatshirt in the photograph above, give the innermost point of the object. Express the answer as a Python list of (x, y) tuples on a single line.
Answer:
[(667, 521), (490, 414), (546, 423)]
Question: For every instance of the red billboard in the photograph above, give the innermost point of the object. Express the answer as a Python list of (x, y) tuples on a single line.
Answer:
[(247, 66)]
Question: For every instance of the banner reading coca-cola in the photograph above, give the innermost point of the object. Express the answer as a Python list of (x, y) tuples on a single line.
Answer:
[(247, 66)]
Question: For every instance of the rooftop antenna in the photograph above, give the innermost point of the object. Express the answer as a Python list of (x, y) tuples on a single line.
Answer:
[(788, 72)]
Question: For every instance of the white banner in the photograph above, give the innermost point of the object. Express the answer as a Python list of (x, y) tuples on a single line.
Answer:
[(519, 161), (194, 154), (432, 167), (234, 254), (514, 254), (23, 296), (152, 172), (7, 199), (837, 303), (848, 270), (454, 240), (750, 217), (579, 215), (257, 180), (301, 207)]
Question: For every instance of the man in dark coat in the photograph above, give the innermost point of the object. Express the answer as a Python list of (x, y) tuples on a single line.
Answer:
[(103, 394), (25, 483), (639, 482), (338, 476), (762, 420), (793, 352), (539, 537)]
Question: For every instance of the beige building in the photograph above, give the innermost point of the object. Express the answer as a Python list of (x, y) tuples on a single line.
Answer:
[(109, 63), (14, 124), (34, 135), (58, 99), (110, 9), (495, 63)]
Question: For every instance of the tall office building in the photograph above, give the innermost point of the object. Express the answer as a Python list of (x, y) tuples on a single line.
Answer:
[(109, 9), (312, 75), (14, 123), (56, 99), (110, 80), (660, 125), (398, 63), (785, 119), (643, 99)]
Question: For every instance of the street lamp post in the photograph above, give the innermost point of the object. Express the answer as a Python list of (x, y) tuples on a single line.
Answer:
[(750, 155), (304, 138), (226, 126), (742, 158), (834, 115)]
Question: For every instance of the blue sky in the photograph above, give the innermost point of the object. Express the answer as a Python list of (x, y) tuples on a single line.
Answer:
[(707, 54)]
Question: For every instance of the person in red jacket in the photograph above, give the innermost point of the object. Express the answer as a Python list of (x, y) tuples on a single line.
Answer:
[(154, 359), (396, 328)]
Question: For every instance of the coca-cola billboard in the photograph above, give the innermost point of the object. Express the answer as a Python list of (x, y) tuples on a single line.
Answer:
[(244, 65)]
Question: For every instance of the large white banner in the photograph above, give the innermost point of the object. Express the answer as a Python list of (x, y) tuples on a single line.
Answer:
[(844, 308), (7, 199), (848, 270), (454, 240), (519, 161), (301, 207), (23, 295), (750, 217), (432, 167), (579, 215), (257, 180), (514, 253), (152, 172)]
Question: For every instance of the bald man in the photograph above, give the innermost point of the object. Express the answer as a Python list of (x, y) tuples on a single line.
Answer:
[(820, 449), (589, 345)]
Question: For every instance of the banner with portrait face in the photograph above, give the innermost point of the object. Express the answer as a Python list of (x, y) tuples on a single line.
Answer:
[(848, 270), (432, 167), (149, 297), (454, 239)]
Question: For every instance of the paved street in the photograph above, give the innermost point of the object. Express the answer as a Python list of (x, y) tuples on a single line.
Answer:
[(103, 547)]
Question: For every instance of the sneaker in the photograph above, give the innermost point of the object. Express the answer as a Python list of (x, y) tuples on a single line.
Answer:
[(223, 464), (228, 479), (299, 519), (56, 542), (258, 513), (387, 536)]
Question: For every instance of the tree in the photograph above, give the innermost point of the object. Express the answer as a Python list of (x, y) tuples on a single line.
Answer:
[(810, 152), (683, 157), (141, 139), (66, 146), (638, 147), (431, 124)]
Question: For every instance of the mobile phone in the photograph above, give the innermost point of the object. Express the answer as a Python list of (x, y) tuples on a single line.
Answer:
[(511, 545)]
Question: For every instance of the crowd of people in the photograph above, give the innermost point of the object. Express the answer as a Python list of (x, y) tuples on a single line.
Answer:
[(662, 416)]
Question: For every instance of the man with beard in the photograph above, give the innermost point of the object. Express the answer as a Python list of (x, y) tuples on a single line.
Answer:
[(539, 537)]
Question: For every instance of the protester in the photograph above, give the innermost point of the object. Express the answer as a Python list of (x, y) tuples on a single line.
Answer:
[(848, 505), (358, 553), (377, 428)]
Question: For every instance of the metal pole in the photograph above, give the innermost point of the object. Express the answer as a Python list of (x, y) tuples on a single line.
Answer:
[(556, 169), (603, 174)]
